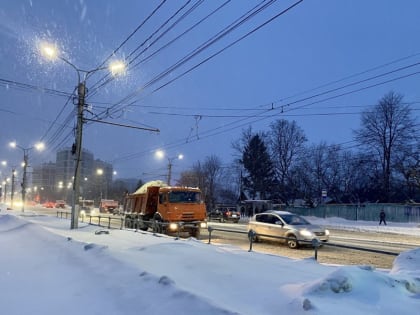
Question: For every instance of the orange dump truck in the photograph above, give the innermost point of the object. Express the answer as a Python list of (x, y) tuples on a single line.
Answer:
[(165, 209), (108, 206)]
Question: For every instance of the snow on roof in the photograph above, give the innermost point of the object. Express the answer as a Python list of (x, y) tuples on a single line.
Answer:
[(153, 183)]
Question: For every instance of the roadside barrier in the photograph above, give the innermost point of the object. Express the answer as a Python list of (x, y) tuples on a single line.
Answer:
[(110, 222), (106, 221), (315, 243)]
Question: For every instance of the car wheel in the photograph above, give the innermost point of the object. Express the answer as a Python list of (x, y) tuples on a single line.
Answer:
[(292, 242)]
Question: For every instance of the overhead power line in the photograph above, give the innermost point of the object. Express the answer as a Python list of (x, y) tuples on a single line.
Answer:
[(29, 87), (259, 117), (205, 45)]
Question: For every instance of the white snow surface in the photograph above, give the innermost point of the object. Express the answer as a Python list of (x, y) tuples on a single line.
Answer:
[(46, 268)]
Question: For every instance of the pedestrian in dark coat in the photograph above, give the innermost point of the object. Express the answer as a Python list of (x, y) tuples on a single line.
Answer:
[(382, 217)]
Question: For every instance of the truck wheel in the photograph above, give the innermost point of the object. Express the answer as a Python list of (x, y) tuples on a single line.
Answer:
[(195, 233), (157, 226)]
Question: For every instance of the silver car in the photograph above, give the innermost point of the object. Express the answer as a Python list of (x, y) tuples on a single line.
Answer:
[(285, 225)]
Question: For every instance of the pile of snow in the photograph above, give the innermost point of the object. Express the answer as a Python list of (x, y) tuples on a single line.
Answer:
[(46, 268)]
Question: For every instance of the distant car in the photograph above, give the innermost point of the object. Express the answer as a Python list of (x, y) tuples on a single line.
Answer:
[(60, 204), (49, 204), (224, 214), (288, 225)]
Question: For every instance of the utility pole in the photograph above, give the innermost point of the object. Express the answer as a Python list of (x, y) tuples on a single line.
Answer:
[(81, 92), (13, 188), (169, 172), (5, 191), (25, 165)]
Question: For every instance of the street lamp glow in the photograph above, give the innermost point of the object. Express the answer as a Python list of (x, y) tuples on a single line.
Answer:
[(13, 144), (48, 50), (99, 171), (4, 163), (160, 154), (117, 67), (40, 146)]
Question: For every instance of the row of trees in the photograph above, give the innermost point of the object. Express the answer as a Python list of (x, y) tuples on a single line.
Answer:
[(381, 164)]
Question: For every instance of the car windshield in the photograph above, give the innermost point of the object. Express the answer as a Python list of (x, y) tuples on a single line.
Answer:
[(293, 219), (184, 196)]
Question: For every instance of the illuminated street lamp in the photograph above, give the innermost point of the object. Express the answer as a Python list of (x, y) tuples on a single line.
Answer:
[(161, 154), (51, 52), (100, 173), (39, 147)]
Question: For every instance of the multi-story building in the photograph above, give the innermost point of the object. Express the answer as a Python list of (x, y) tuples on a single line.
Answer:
[(65, 165), (55, 180), (44, 182)]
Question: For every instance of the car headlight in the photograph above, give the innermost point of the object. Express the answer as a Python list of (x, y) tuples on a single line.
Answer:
[(327, 232), (203, 225), (305, 233)]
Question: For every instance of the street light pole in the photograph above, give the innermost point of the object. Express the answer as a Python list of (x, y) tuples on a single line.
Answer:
[(81, 91), (161, 154), (169, 171), (115, 68), (170, 163), (25, 165), (5, 191), (38, 146), (13, 188)]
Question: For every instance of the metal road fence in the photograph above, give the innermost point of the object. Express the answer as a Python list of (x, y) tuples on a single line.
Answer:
[(315, 243), (363, 212), (111, 222), (106, 221)]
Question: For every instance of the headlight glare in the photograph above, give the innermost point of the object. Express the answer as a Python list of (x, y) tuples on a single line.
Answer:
[(173, 226), (305, 233)]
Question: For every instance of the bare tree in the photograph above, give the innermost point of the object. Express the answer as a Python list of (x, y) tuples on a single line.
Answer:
[(205, 176), (212, 170), (190, 178), (286, 140), (386, 129)]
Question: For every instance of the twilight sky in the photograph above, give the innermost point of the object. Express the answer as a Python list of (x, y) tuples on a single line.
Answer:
[(200, 72)]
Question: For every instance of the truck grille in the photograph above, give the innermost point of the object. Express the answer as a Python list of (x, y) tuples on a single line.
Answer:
[(187, 216)]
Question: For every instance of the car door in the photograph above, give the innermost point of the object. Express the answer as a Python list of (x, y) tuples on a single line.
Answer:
[(272, 228), (278, 226), (259, 224), (268, 226)]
